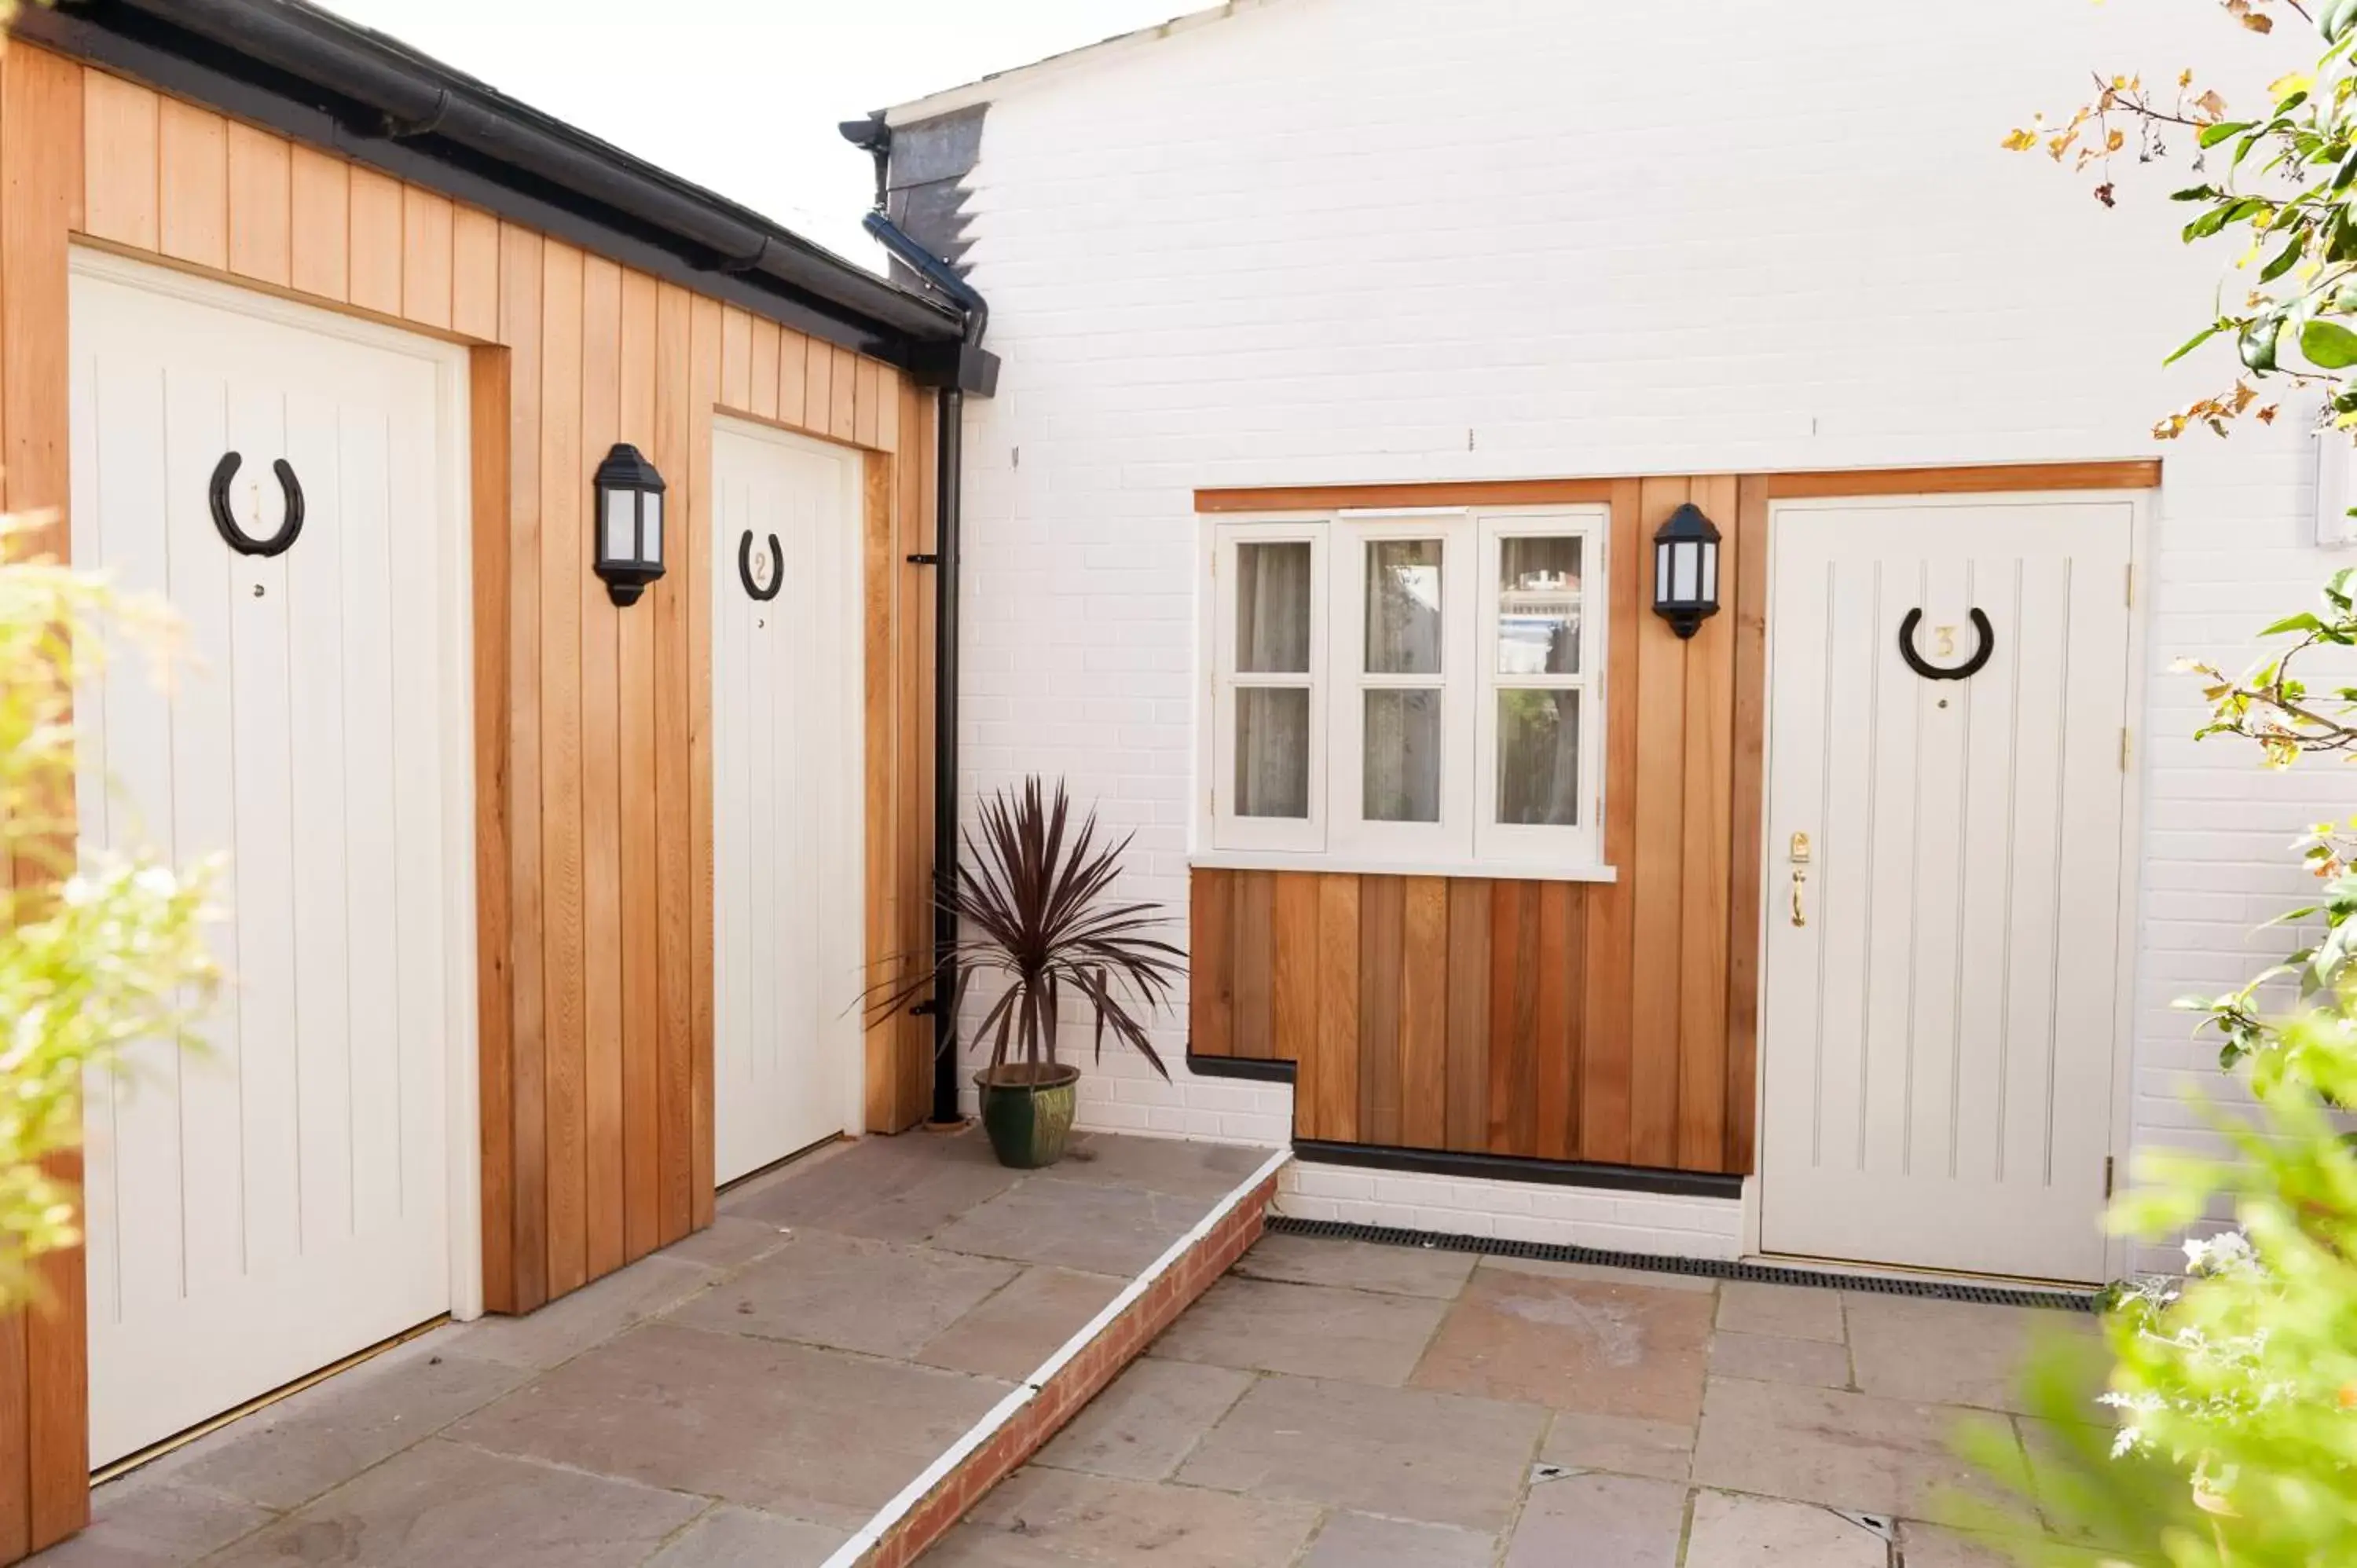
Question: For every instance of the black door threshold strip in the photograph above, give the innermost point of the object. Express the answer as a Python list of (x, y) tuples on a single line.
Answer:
[(1707, 1268)]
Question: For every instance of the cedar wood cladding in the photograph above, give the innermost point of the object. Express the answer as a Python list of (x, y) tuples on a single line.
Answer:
[(593, 742), (1554, 1020)]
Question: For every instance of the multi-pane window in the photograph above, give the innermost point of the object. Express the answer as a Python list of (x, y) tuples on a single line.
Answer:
[(1408, 689)]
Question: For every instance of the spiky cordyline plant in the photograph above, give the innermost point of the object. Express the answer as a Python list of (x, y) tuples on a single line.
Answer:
[(1030, 896)]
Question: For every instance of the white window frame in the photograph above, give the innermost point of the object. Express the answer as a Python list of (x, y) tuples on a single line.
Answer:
[(1467, 839), (1580, 844), (1353, 833), (1232, 831)]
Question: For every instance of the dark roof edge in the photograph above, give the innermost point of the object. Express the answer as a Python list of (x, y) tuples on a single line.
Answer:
[(369, 98)]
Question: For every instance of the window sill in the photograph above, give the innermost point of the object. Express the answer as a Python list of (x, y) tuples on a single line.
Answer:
[(1495, 870)]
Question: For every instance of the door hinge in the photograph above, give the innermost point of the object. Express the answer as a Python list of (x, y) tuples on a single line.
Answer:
[(2124, 747), (2109, 1163), (924, 558)]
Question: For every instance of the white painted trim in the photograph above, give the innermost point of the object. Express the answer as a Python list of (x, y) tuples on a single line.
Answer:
[(998, 84), (1005, 1410), (462, 1086), (2118, 1250), (1495, 870)]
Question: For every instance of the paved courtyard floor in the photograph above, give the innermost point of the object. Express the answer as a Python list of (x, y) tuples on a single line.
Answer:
[(745, 1399), (1339, 1405)]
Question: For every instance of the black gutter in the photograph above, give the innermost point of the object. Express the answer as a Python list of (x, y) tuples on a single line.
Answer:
[(948, 510), (356, 93)]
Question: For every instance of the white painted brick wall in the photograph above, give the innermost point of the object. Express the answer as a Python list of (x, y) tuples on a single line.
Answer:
[(1513, 1210), (1349, 240)]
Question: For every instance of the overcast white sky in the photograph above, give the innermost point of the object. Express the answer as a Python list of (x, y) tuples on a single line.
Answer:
[(743, 95)]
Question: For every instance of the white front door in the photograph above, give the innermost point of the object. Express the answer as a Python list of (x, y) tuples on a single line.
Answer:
[(1943, 880), (788, 761), (277, 1196)]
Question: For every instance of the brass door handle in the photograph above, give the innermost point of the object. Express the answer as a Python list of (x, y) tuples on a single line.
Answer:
[(1799, 882)]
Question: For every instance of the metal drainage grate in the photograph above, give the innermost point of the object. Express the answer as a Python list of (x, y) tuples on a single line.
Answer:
[(1763, 1273)]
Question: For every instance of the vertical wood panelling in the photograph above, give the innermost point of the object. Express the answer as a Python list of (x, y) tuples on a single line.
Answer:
[(562, 505), (375, 240), (591, 743), (192, 172), (1743, 927), (793, 376), (675, 876), (1424, 1013), (1383, 911), (489, 390), (321, 230), (1254, 966), (520, 329), (120, 178), (601, 788), (44, 1365), (1333, 1086), (261, 206), (736, 359), (704, 392), (1513, 1017), (1656, 853), (1469, 1016), (843, 382), (475, 274), (426, 257), (1293, 983), (761, 398), (1210, 978), (1604, 1104), (642, 971), (1561, 955), (1704, 869)]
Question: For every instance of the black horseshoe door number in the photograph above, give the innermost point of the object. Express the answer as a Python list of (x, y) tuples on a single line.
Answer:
[(1964, 672), (289, 528), (745, 568)]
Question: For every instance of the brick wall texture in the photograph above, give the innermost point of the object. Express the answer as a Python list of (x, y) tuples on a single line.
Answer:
[(1359, 241)]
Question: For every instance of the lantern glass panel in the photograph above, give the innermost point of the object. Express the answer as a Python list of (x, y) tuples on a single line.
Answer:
[(621, 544), (650, 545), (1709, 573), (1685, 571)]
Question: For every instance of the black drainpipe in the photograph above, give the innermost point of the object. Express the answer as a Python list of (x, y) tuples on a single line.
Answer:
[(950, 467)]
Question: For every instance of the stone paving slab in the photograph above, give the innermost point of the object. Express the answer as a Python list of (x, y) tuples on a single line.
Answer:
[(1269, 1326), (745, 1399), (1560, 1416)]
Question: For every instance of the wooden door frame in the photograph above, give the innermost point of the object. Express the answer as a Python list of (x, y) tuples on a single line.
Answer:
[(1747, 1085)]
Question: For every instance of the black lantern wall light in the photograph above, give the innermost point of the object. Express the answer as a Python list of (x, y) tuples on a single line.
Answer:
[(629, 529), (1685, 570)]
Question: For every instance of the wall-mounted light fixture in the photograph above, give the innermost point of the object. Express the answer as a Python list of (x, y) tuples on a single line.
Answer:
[(1685, 570), (629, 523)]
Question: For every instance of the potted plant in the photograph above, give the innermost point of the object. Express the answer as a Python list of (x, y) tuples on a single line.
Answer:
[(1032, 898)]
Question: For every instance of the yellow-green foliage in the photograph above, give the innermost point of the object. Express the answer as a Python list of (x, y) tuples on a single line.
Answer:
[(94, 956)]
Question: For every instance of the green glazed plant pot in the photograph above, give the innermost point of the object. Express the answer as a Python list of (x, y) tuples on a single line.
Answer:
[(1027, 1112)]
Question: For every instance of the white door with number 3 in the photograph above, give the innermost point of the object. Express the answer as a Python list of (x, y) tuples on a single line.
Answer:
[(1948, 683)]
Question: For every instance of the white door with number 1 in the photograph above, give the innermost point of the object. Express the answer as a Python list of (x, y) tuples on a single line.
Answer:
[(1948, 683)]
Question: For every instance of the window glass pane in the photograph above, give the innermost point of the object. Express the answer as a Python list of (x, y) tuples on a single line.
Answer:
[(1273, 608), (1538, 607), (1273, 752), (1538, 758), (1403, 761), (1403, 606)]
